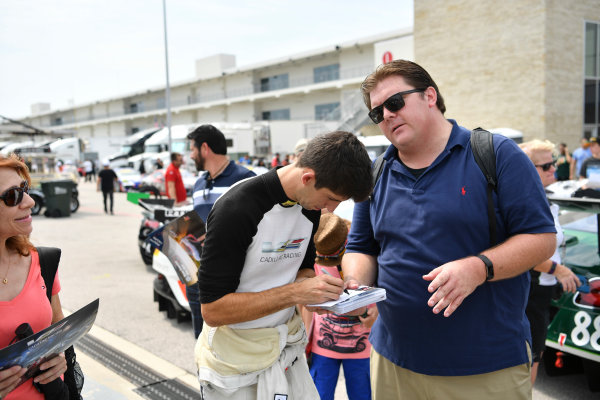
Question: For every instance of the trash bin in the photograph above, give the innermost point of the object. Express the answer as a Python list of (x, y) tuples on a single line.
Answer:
[(58, 197)]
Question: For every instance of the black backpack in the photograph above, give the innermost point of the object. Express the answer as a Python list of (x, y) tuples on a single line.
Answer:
[(482, 143), (73, 377)]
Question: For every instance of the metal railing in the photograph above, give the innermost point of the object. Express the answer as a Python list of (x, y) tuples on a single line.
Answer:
[(203, 97)]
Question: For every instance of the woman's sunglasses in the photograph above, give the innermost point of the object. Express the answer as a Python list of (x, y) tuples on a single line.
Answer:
[(393, 104), (14, 195), (547, 166)]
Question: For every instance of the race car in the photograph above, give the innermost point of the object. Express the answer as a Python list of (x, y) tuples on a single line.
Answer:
[(573, 339)]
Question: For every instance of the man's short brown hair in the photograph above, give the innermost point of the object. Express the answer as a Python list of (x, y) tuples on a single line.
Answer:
[(341, 164), (413, 74)]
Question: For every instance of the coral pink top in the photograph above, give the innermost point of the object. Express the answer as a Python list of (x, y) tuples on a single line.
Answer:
[(32, 306), (337, 336)]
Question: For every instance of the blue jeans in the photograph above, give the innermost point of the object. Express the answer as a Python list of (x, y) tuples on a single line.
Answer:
[(193, 294), (325, 371)]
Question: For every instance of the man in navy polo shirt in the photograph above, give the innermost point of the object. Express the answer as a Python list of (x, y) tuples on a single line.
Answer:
[(209, 152), (453, 325)]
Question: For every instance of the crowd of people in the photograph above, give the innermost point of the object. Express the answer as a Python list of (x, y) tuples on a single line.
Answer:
[(466, 313)]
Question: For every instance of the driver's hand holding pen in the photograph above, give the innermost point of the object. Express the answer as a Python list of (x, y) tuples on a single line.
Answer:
[(325, 287)]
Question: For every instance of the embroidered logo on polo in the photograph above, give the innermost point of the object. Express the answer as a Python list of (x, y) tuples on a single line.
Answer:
[(267, 247)]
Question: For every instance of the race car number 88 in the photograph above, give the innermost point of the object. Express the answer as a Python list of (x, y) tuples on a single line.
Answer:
[(580, 335)]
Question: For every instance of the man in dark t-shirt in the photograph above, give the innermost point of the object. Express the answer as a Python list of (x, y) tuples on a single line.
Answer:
[(106, 182), (209, 152)]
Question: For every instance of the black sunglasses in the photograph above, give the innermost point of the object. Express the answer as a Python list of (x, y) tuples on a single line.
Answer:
[(14, 195), (393, 103), (547, 166)]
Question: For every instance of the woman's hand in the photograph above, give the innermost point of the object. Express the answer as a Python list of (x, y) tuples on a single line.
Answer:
[(9, 378), (567, 278), (52, 369)]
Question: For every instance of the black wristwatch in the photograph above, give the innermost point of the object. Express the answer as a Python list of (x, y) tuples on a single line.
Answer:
[(489, 267)]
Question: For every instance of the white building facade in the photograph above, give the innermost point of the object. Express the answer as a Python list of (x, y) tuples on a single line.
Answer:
[(300, 95)]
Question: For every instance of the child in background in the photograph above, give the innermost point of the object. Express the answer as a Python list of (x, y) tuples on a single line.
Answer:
[(336, 340)]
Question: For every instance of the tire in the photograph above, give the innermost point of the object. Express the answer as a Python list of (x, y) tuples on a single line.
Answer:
[(35, 210), (171, 311), (592, 373), (571, 364), (147, 258), (182, 316), (74, 204), (162, 304), (146, 255)]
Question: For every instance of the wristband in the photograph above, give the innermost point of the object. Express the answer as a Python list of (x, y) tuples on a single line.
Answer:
[(365, 315), (552, 268), (489, 267)]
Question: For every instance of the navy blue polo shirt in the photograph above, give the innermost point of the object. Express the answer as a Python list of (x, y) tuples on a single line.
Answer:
[(414, 225), (207, 191)]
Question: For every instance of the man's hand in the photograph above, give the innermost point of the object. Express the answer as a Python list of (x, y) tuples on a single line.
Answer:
[(319, 289), (52, 369), (372, 314), (452, 282), (569, 281)]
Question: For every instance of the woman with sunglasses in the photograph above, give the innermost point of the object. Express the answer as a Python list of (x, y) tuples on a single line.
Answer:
[(545, 275), (22, 289)]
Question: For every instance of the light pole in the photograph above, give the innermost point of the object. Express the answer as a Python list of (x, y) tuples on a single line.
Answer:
[(168, 88)]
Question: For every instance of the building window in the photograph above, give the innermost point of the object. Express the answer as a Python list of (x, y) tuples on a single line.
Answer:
[(57, 121), (136, 107), (327, 73), (330, 112), (591, 89), (276, 115), (275, 82)]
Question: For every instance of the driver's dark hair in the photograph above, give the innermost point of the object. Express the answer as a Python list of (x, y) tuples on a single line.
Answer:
[(341, 164), (214, 138)]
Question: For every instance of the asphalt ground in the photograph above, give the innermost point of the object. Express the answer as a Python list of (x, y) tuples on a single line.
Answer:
[(101, 260)]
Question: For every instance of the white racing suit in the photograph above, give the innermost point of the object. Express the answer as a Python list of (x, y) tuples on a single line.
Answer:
[(260, 363)]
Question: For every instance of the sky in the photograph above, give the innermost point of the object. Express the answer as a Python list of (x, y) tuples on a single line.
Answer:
[(66, 52)]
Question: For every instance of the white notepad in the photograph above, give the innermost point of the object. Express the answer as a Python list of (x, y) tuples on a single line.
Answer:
[(355, 298)]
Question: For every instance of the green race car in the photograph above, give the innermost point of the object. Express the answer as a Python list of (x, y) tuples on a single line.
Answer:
[(573, 339)]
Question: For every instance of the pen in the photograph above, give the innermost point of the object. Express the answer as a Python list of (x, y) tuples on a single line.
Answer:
[(323, 270)]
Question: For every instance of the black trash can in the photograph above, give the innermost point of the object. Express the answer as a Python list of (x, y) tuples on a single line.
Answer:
[(58, 197)]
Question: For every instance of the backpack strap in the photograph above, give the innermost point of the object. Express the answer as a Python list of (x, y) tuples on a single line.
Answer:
[(482, 144), (376, 171), (49, 258)]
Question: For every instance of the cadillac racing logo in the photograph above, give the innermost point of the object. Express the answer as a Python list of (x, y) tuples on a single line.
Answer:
[(267, 247)]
